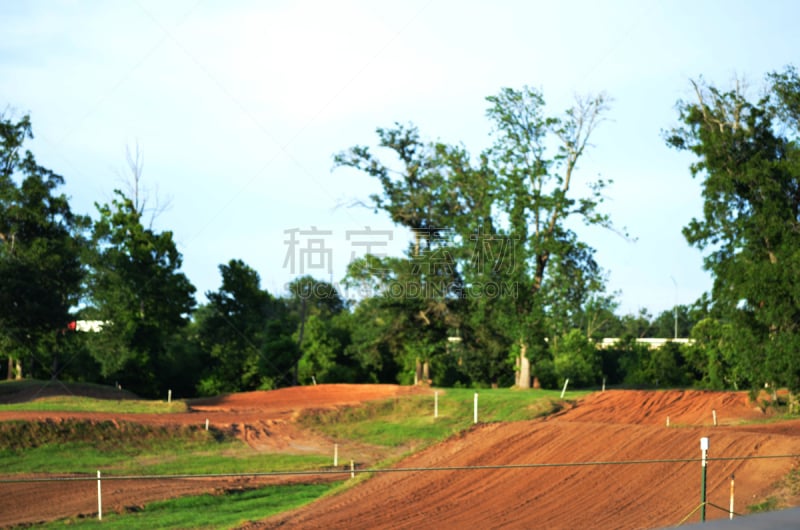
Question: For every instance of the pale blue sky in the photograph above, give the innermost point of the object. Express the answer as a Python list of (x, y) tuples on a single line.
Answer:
[(239, 107)]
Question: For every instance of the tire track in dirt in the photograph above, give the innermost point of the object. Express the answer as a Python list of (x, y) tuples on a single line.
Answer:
[(264, 420), (613, 426)]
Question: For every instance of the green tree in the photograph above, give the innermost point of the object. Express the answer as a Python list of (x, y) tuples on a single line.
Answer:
[(309, 297), (749, 160), (137, 290), (41, 242), (246, 334), (404, 331), (422, 196), (664, 325), (576, 357), (497, 222), (712, 358)]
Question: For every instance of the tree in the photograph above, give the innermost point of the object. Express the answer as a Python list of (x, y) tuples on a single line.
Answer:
[(749, 160), (247, 333), (41, 241), (576, 357), (137, 290), (391, 341), (313, 298), (712, 358), (535, 190), (422, 197), (665, 325), (496, 222)]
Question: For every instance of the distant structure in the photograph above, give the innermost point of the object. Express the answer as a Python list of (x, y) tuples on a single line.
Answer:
[(93, 326), (653, 344)]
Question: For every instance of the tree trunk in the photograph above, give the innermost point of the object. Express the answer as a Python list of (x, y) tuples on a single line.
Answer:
[(524, 366), (426, 373), (516, 371), (18, 371), (10, 374), (417, 372), (300, 341)]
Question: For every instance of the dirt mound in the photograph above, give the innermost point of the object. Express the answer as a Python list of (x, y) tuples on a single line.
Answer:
[(612, 427), (285, 402), (682, 407), (28, 390), (261, 419)]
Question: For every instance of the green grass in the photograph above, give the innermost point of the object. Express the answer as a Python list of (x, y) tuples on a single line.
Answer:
[(127, 448), (410, 421), (75, 446), (208, 511), (86, 404), (769, 505), (78, 397)]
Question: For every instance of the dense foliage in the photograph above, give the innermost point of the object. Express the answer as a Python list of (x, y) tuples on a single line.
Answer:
[(496, 286)]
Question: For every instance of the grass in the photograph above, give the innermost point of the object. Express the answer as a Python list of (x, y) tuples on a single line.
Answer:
[(769, 505), (38, 396), (410, 421), (125, 448), (86, 404), (128, 448), (228, 510)]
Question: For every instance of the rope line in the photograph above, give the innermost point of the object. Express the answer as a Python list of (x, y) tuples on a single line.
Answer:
[(347, 470), (726, 510), (690, 514)]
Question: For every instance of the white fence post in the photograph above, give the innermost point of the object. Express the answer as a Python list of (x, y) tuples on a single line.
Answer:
[(564, 390), (99, 498), (169, 396), (335, 455), (435, 405), (475, 409)]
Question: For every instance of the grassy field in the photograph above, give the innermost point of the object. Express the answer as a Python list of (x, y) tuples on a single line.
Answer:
[(126, 448), (410, 421), (34, 395), (86, 404), (208, 511)]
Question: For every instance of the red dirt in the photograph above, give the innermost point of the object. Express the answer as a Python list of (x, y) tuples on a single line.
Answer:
[(613, 426), (263, 419)]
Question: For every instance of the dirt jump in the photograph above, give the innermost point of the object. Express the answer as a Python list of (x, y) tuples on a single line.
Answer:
[(625, 429), (265, 420), (559, 481)]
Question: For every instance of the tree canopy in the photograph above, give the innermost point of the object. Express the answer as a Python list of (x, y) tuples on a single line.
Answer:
[(749, 160), (41, 242)]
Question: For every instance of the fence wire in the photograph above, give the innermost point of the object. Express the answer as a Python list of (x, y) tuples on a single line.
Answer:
[(347, 470)]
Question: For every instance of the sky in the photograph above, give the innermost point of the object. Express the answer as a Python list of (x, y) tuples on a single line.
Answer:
[(238, 108)]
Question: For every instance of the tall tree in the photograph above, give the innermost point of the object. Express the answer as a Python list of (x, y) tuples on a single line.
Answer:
[(749, 160), (41, 242), (505, 214), (246, 333), (536, 159), (418, 194), (137, 289)]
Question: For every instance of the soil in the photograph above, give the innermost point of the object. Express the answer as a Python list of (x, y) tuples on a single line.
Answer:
[(614, 426), (265, 420)]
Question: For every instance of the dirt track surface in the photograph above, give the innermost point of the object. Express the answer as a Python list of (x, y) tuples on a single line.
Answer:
[(614, 426), (263, 419)]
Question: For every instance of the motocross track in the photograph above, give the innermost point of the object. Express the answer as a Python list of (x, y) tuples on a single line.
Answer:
[(618, 426), (262, 419), (614, 426)]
